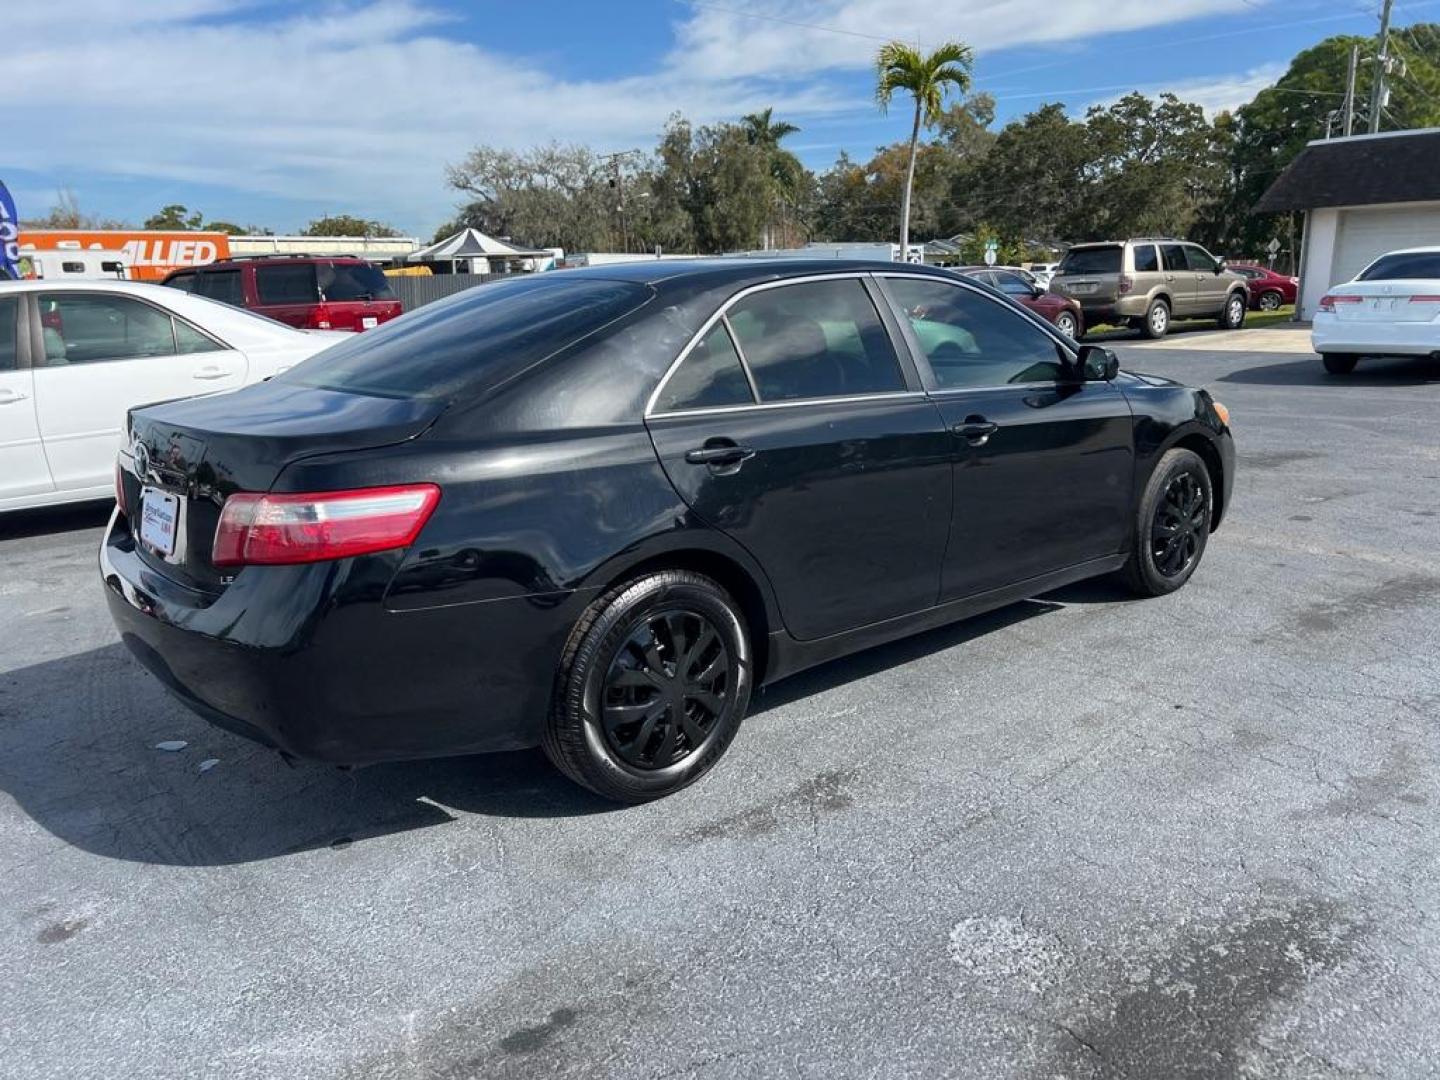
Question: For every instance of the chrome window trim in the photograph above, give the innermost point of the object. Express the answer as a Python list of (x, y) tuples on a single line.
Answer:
[(848, 399), (722, 313)]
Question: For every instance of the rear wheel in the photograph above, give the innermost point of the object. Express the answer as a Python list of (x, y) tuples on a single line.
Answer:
[(1232, 316), (1157, 320), (1339, 363), (1068, 325), (652, 687), (1172, 525), (1270, 301)]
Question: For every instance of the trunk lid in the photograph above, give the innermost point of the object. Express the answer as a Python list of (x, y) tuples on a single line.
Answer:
[(192, 454), (1389, 301)]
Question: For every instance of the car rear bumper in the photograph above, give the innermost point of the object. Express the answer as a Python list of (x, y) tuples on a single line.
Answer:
[(346, 683), (1330, 334)]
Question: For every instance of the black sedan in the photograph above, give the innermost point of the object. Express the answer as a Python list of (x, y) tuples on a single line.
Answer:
[(593, 510)]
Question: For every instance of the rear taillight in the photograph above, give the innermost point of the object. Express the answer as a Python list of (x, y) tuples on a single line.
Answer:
[(312, 527), (1425, 299), (1126, 283), (1328, 302), (319, 318)]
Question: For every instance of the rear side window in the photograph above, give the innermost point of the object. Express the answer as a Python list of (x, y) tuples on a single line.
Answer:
[(184, 281), (710, 376), (353, 281), (816, 340), (83, 328), (9, 337), (286, 284), (1146, 260), (1092, 260), (1013, 284), (222, 285), (441, 349), (1412, 264), (1173, 256)]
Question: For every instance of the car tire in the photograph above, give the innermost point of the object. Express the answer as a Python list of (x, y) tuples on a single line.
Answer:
[(1172, 524), (635, 664), (1270, 301), (1232, 315), (1068, 324), (1157, 320), (1339, 363)]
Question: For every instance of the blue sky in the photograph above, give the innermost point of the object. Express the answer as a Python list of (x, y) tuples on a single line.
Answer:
[(274, 113)]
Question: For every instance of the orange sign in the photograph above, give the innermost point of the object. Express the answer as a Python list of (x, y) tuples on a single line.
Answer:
[(150, 255)]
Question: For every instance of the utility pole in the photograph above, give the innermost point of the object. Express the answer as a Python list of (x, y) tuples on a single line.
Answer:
[(1382, 63), (1350, 90)]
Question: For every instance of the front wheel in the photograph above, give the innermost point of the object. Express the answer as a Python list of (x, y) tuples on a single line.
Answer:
[(1172, 525), (1068, 325), (1339, 363), (1232, 316), (652, 687)]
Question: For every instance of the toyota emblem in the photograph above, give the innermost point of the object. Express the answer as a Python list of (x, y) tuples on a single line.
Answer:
[(142, 460)]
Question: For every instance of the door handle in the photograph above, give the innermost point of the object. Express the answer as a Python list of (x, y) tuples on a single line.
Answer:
[(719, 455), (211, 372), (976, 430), (9, 397)]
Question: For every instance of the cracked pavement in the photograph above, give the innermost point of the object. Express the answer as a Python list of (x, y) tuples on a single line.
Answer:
[(1083, 836)]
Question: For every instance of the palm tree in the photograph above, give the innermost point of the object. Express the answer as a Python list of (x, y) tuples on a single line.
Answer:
[(903, 67), (761, 131)]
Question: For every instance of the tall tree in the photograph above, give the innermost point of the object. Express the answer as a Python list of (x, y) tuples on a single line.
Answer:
[(927, 78), (347, 225)]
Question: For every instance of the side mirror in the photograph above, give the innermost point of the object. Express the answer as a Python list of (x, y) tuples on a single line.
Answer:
[(1097, 364)]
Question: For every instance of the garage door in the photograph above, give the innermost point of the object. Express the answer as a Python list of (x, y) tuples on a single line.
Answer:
[(1367, 234)]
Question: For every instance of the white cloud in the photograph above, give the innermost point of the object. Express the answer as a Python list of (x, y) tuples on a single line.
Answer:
[(358, 107)]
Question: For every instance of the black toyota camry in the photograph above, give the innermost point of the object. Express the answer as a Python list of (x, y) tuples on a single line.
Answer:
[(593, 510)]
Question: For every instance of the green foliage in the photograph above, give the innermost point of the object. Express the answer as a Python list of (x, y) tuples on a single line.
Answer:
[(175, 218), (1010, 251), (927, 77), (346, 225)]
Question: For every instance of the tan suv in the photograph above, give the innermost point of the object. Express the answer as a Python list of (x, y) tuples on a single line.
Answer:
[(1144, 283)]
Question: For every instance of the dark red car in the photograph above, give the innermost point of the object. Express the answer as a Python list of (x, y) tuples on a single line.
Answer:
[(1063, 312), (311, 292), (1269, 291)]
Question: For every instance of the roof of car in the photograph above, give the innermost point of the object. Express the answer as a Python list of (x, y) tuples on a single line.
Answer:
[(734, 270)]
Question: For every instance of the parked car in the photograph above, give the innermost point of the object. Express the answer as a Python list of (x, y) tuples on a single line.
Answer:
[(1147, 282), (1042, 272), (594, 511), (75, 357), (307, 292), (1391, 308), (1062, 311), (1269, 291)]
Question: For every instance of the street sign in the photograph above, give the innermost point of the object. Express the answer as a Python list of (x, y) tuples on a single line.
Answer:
[(1273, 247), (992, 251)]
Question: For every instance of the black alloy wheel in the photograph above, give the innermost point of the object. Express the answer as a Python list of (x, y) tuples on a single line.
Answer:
[(1181, 521), (666, 689), (1172, 524), (651, 688)]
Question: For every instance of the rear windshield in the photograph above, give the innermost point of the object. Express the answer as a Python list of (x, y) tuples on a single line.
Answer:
[(441, 348), (1091, 260), (353, 281), (1411, 264)]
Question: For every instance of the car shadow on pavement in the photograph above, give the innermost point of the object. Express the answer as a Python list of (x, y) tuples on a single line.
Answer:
[(79, 754), (1310, 372), (51, 520)]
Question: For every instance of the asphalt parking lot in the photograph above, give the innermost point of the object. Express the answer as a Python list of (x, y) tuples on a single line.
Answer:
[(1082, 836)]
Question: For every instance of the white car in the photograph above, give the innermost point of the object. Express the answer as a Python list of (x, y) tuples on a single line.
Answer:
[(1392, 308), (75, 356)]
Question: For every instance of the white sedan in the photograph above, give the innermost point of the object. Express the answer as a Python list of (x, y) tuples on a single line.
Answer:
[(75, 356), (1392, 308)]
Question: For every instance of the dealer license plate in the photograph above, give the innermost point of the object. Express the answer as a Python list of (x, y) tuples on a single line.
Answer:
[(159, 520), (369, 322)]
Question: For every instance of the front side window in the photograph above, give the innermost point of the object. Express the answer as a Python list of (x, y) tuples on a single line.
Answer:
[(709, 377), (9, 336), (1403, 264), (86, 329), (222, 285), (1200, 260), (1146, 261), (293, 284), (815, 340), (973, 341)]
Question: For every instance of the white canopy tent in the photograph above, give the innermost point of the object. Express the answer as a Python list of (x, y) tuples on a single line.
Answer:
[(471, 251)]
